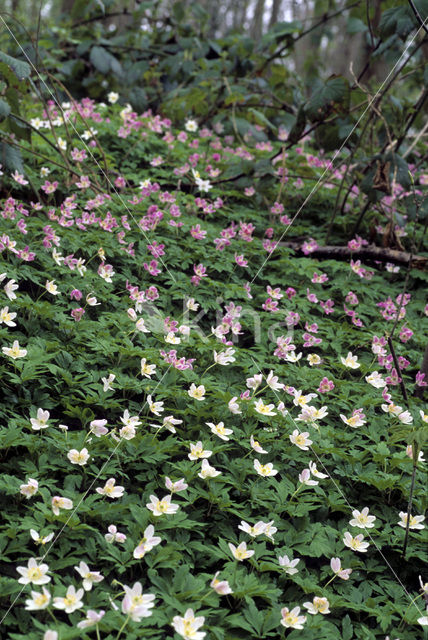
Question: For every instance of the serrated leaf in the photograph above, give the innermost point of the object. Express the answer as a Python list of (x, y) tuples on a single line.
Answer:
[(333, 90), (397, 20)]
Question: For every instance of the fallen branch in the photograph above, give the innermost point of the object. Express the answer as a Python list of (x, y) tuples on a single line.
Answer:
[(370, 252)]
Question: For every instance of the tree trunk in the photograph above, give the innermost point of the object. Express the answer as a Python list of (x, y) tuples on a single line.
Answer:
[(67, 6), (257, 25), (276, 5)]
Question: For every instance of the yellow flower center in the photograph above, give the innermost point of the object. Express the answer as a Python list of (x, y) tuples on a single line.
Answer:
[(290, 619), (70, 600), (35, 573), (41, 600)]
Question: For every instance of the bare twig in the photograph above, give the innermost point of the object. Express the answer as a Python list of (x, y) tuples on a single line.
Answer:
[(418, 16), (370, 252), (324, 19)]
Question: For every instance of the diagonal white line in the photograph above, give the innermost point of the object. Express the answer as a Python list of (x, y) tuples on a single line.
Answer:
[(366, 531), (123, 202), (330, 166), (42, 558)]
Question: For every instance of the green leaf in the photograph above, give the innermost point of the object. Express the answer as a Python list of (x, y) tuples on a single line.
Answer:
[(355, 25), (104, 61), (333, 90), (298, 127), (399, 170), (254, 617), (397, 20), (347, 629), (4, 109), (21, 69), (138, 99), (261, 118), (11, 156)]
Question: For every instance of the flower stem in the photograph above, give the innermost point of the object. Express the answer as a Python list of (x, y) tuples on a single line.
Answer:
[(122, 627), (331, 580), (296, 492)]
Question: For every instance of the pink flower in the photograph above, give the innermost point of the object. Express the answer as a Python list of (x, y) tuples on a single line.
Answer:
[(77, 314), (356, 243), (76, 294), (313, 328), (378, 344), (156, 249), (220, 586), (290, 292), (270, 305), (337, 569), (274, 293), (269, 245), (420, 379), (310, 341), (322, 277), (405, 334), (152, 293), (200, 270), (394, 378), (240, 260), (309, 246), (277, 208), (175, 487), (49, 187), (351, 298), (327, 306), (120, 182), (152, 267), (311, 296), (197, 233), (325, 385)]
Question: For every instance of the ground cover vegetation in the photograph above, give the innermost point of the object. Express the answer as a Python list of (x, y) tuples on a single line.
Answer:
[(213, 324)]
